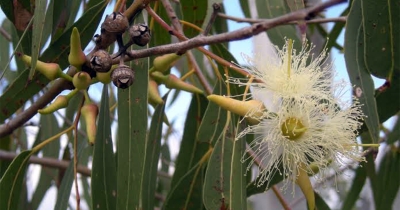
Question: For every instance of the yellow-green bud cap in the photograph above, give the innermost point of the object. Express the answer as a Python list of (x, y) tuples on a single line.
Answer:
[(81, 80), (251, 109), (154, 95), (51, 70), (89, 114), (173, 82), (76, 56), (60, 102), (164, 62)]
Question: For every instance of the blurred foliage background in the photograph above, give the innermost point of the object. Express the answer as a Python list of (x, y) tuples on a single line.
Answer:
[(130, 165)]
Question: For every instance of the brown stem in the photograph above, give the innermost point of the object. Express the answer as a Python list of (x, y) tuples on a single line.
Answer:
[(76, 121), (177, 25), (250, 20), (45, 161)]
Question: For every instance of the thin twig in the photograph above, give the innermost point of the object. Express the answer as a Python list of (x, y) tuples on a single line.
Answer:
[(177, 25), (216, 9), (45, 161), (5, 34), (250, 20), (76, 121)]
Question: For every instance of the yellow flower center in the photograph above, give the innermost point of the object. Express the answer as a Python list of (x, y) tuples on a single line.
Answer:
[(293, 129)]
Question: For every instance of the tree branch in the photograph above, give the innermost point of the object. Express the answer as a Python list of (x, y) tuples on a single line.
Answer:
[(198, 41)]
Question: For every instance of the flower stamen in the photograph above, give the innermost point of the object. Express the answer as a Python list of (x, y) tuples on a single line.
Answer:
[(293, 129), (289, 51)]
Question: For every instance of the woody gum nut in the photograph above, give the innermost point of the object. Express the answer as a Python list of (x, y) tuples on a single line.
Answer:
[(164, 62), (89, 114), (116, 23), (246, 109), (76, 56), (101, 61), (140, 34), (123, 77), (51, 70), (154, 95), (60, 102), (81, 80)]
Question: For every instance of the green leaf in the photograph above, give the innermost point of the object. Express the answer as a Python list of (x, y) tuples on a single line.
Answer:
[(225, 183), (320, 203), (388, 180), (48, 128), (132, 135), (387, 107), (193, 11), (274, 8), (104, 172), (184, 161), (37, 30), (187, 181), (23, 89), (359, 76), (153, 147), (356, 187), (64, 191), (12, 181), (380, 29), (394, 135)]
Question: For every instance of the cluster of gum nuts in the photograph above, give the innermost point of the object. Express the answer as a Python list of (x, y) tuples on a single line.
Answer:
[(112, 29), (99, 64)]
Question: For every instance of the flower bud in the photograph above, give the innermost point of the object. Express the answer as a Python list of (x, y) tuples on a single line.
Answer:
[(76, 56), (140, 34), (101, 61), (105, 77), (89, 114), (154, 95), (173, 82), (251, 109), (51, 70), (123, 76), (81, 80), (164, 62), (60, 102), (303, 181)]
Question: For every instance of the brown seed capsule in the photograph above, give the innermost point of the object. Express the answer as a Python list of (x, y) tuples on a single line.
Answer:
[(140, 34), (116, 22), (123, 76), (101, 61)]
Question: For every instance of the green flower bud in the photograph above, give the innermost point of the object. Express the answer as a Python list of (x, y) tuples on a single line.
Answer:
[(173, 82), (89, 114), (250, 109), (51, 70), (76, 56), (164, 62), (60, 102), (81, 80), (154, 95)]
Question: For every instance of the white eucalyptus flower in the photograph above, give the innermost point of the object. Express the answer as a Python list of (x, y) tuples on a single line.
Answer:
[(290, 74), (304, 132)]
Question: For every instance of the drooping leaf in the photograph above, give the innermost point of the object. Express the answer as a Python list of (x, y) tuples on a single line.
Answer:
[(12, 181), (37, 30), (104, 172), (153, 147), (355, 189), (132, 135), (388, 180), (64, 191), (359, 76)]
